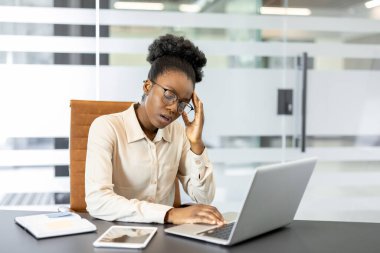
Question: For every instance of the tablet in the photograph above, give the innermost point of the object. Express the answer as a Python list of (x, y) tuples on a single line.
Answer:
[(126, 237)]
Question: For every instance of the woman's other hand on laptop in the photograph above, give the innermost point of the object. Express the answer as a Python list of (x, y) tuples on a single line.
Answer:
[(197, 213)]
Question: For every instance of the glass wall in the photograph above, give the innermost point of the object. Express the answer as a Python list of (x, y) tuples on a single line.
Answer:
[(47, 57), (337, 121), (276, 87)]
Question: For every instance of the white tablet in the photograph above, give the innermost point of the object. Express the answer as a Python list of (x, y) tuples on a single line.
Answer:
[(126, 237)]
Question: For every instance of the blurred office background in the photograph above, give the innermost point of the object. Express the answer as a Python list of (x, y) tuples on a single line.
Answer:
[(284, 80)]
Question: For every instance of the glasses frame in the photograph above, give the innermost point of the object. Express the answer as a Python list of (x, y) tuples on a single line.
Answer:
[(168, 101)]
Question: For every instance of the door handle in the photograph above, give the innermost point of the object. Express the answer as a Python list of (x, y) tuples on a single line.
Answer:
[(304, 101)]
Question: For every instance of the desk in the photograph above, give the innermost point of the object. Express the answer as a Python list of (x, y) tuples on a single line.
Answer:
[(300, 236)]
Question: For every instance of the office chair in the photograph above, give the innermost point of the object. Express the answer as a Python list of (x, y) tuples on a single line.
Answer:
[(83, 113)]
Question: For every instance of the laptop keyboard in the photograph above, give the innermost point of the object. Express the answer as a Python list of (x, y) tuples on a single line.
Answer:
[(222, 232)]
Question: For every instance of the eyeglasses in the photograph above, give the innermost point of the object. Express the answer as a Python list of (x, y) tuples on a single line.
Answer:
[(170, 98)]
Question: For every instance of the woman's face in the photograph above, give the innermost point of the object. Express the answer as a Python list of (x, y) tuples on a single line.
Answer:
[(160, 113)]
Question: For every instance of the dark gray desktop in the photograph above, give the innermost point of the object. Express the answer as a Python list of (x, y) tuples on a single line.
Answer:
[(300, 236)]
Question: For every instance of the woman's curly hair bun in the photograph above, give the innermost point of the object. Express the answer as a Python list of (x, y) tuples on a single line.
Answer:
[(179, 47)]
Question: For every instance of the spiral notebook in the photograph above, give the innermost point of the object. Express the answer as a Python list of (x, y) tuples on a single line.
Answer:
[(55, 224)]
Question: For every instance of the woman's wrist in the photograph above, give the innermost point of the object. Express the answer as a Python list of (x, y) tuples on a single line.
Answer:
[(197, 147), (168, 216)]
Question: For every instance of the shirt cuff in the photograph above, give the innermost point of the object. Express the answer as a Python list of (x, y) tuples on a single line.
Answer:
[(158, 212), (200, 163)]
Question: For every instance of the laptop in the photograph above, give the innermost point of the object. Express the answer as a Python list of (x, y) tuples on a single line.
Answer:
[(271, 202)]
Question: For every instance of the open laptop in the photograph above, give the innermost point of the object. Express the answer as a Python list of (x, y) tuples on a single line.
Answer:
[(271, 202)]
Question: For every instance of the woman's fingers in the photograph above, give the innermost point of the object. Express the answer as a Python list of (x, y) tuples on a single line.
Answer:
[(211, 214), (204, 219), (208, 217), (199, 115), (217, 213), (198, 106), (195, 214), (198, 119), (186, 119), (195, 99)]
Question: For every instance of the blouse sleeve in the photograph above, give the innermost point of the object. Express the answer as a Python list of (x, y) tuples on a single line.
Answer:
[(196, 174)]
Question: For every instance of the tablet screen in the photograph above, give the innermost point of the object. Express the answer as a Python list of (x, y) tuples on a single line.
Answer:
[(126, 236)]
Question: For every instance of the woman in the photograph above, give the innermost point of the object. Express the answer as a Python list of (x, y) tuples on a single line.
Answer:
[(134, 157)]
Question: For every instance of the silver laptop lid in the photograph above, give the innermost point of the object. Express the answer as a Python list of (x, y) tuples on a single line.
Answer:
[(273, 198)]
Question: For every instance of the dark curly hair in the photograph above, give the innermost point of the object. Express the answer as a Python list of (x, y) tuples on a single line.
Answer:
[(170, 52)]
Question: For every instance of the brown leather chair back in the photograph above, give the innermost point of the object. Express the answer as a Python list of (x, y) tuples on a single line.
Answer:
[(83, 113)]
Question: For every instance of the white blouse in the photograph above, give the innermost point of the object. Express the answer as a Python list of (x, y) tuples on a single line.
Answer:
[(131, 178)]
